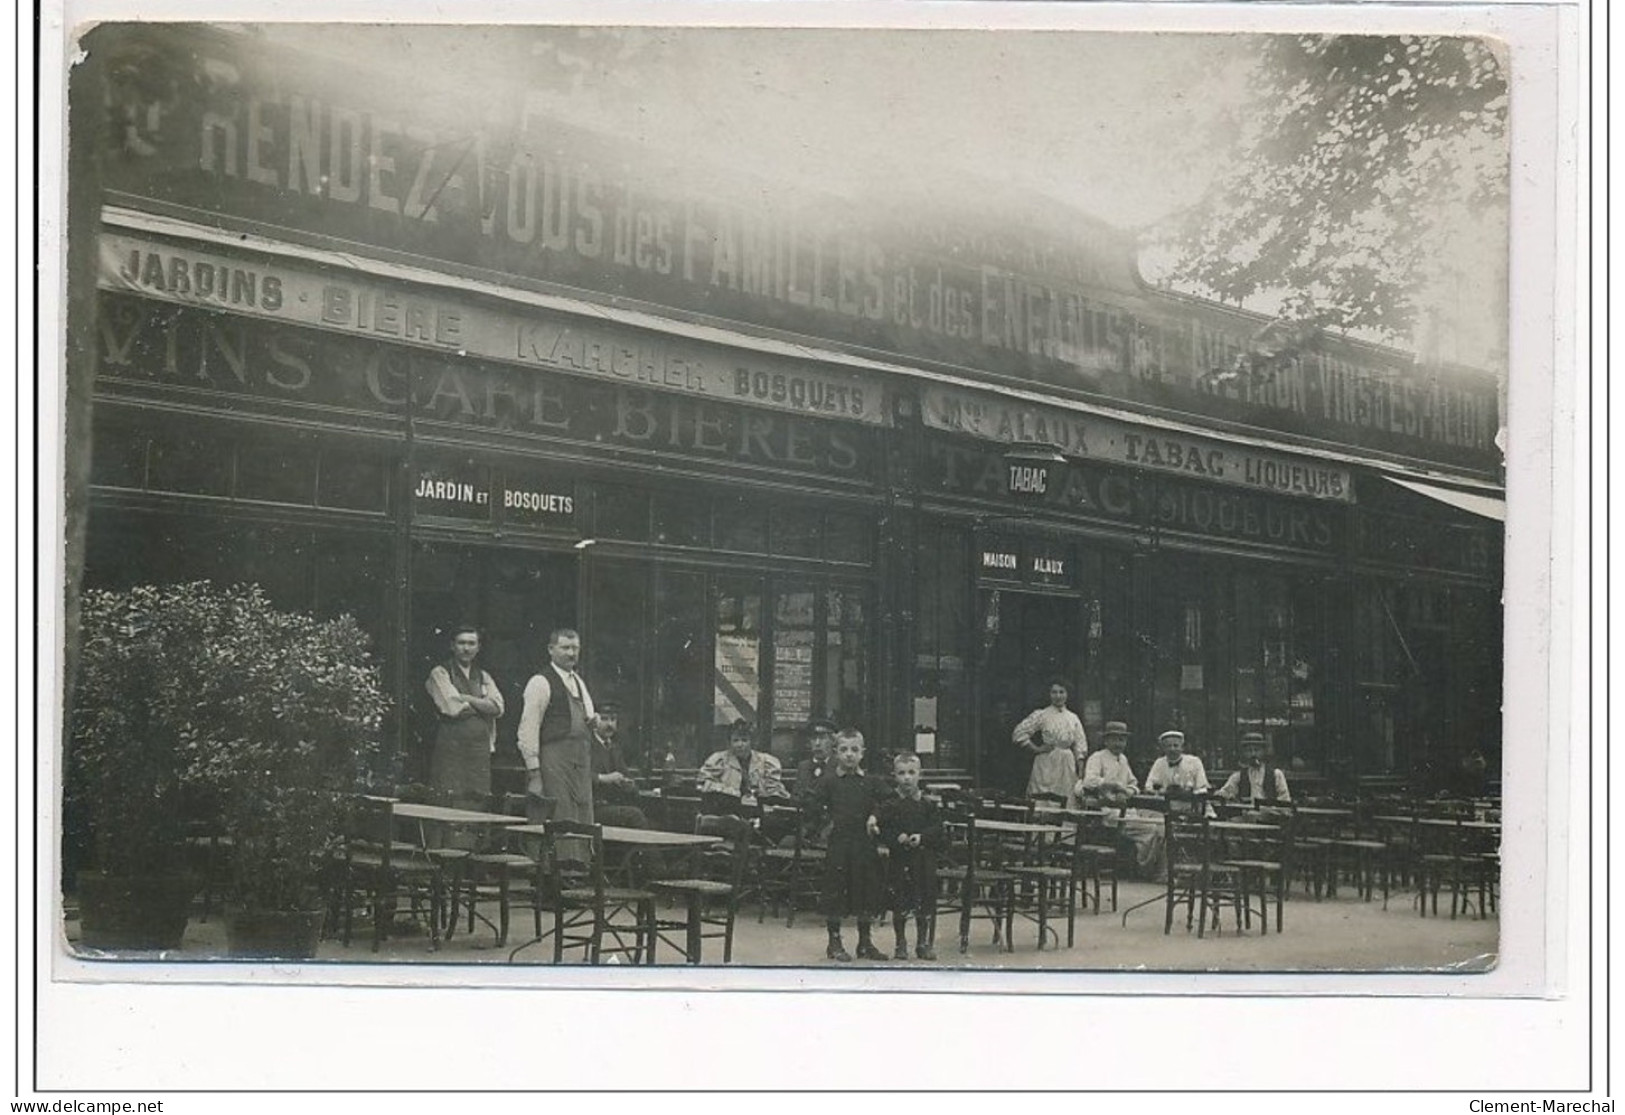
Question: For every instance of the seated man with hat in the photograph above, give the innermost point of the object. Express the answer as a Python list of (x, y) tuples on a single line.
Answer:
[(1107, 775), (821, 747), (1256, 782), (1109, 780), (1175, 774), (615, 798)]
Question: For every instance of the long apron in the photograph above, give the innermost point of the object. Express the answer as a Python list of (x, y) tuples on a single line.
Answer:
[(1054, 772), (566, 766), (460, 761)]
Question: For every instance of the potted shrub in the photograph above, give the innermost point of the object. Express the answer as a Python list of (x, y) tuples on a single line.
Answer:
[(127, 766), (293, 708)]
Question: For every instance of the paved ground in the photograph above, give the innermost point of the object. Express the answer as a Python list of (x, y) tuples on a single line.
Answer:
[(1342, 934)]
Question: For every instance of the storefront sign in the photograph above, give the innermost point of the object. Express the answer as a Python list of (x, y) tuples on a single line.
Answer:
[(1411, 543), (148, 345), (459, 492), (297, 294), (1028, 560), (537, 501), (1097, 438), (1152, 505), (264, 138)]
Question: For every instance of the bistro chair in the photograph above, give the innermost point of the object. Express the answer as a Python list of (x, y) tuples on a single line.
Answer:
[(377, 871), (1097, 847), (1048, 879), (1262, 862), (1359, 854), (970, 885), (1465, 860), (1194, 879), (509, 870), (791, 875), (710, 890), (588, 913)]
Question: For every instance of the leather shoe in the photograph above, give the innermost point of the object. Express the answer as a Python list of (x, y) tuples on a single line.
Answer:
[(926, 952), (837, 951), (867, 951)]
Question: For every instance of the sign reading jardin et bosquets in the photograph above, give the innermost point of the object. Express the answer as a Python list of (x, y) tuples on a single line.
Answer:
[(297, 146)]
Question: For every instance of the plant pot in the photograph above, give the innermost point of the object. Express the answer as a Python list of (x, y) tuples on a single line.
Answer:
[(273, 934), (135, 912)]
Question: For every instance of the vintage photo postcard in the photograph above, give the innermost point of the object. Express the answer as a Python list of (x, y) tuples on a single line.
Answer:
[(902, 499)]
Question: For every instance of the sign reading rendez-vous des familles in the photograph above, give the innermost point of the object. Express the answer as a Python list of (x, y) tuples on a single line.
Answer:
[(293, 145), (1092, 437), (298, 295)]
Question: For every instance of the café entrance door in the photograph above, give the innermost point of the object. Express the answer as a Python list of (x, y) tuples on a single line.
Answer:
[(1029, 639)]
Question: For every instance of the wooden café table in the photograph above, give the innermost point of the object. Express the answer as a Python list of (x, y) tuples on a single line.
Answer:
[(631, 841)]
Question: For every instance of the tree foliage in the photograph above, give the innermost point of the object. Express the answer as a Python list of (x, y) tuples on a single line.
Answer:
[(1354, 169)]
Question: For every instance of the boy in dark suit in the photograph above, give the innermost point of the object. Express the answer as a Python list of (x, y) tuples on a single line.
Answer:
[(850, 798), (911, 833)]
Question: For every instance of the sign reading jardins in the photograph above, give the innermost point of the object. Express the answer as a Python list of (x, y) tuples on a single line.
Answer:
[(501, 192)]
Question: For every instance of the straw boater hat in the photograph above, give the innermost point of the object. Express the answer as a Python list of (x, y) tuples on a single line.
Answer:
[(1250, 739), (1171, 733), (1115, 728)]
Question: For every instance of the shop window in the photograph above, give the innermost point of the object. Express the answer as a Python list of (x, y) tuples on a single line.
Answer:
[(844, 655), (620, 628), (194, 466), (740, 524), (352, 578), (795, 643), (276, 474), (621, 513), (352, 481), (683, 668), (118, 457), (737, 688), (682, 519), (795, 532), (849, 538)]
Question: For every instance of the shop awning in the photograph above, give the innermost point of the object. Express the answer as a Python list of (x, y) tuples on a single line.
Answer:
[(1474, 503)]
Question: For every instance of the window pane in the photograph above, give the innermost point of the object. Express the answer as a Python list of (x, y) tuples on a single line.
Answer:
[(844, 658), (276, 474), (682, 519), (740, 524), (621, 513), (198, 466), (849, 538), (353, 481), (795, 532), (737, 687), (682, 681), (118, 457), (620, 635)]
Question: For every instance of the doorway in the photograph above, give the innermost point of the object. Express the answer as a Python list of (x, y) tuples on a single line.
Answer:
[(1029, 639), (514, 596)]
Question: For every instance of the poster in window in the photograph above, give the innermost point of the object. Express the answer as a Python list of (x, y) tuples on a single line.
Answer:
[(738, 687), (792, 676)]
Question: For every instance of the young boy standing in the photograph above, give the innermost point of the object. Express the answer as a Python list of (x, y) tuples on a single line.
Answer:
[(911, 831), (851, 799)]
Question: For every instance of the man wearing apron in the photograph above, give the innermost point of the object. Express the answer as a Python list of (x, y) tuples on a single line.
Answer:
[(555, 736), (468, 705)]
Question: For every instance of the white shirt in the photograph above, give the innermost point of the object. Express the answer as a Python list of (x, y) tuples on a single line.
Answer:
[(1189, 775), (1058, 726), (538, 695), (451, 702), (1104, 768)]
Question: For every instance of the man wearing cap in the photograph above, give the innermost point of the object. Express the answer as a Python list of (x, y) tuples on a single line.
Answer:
[(1256, 781), (736, 779), (820, 742), (614, 794), (1106, 773), (1176, 774), (1054, 736)]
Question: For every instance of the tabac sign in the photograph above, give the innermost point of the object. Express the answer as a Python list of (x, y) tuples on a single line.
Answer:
[(1029, 429), (491, 185)]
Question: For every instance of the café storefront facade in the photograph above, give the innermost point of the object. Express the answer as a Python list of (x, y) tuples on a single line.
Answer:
[(893, 466)]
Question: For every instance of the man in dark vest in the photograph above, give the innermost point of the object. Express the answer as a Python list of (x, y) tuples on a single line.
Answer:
[(555, 734), (1256, 781)]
